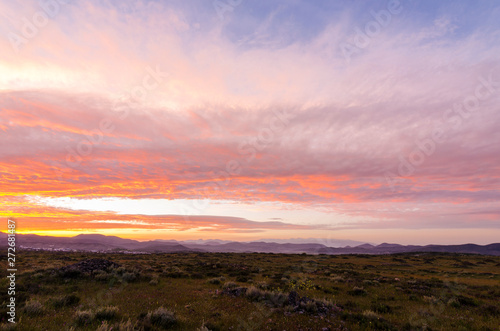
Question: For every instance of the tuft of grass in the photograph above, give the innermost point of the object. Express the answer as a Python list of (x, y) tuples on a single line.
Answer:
[(203, 327), (275, 299), (338, 279), (229, 285), (104, 326), (325, 303), (129, 277), (263, 285), (8, 327), (84, 317), (101, 275), (255, 294), (33, 308), (162, 317), (106, 313), (123, 326), (371, 314), (65, 301), (216, 281), (357, 291), (467, 301), (309, 307)]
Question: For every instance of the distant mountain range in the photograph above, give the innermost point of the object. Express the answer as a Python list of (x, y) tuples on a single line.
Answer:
[(97, 242)]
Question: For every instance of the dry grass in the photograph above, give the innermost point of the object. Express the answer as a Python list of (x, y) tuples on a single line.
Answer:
[(405, 291)]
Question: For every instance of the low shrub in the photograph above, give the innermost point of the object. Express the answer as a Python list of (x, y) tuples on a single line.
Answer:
[(229, 285), (381, 308), (466, 301), (255, 294), (242, 279), (453, 302), (162, 317), (65, 301), (33, 308), (370, 314), (129, 277), (215, 281), (357, 291), (123, 326), (101, 275), (84, 317), (203, 327), (309, 306), (275, 299), (263, 285), (490, 310), (106, 313), (104, 326), (8, 327)]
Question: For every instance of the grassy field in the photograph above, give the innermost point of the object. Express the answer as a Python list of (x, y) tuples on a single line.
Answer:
[(224, 291)]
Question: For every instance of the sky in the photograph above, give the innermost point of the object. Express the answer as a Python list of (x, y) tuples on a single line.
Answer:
[(376, 121)]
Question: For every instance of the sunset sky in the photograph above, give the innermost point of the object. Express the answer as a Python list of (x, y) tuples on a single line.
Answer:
[(376, 121)]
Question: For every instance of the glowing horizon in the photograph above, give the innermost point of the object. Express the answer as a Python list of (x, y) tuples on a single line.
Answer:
[(155, 120)]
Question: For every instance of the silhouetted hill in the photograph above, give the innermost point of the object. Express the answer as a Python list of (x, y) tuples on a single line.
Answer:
[(97, 242)]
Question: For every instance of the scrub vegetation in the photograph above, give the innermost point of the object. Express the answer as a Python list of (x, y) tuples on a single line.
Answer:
[(254, 291)]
